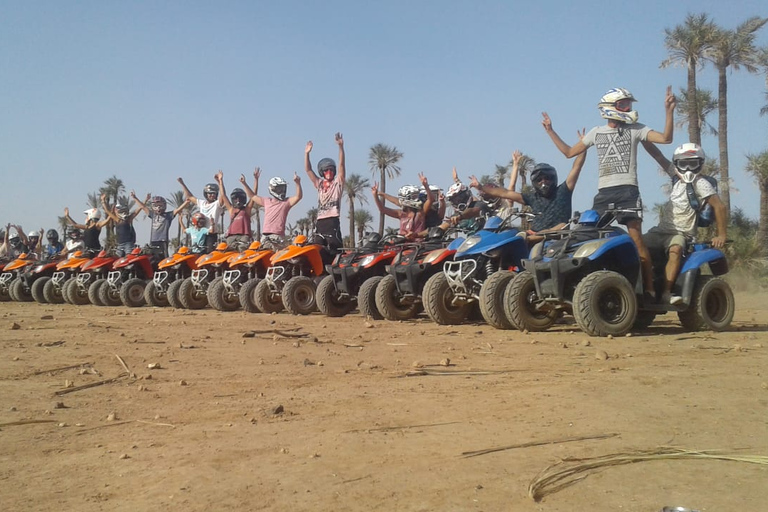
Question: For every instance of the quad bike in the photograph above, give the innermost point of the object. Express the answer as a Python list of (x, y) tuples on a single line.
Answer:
[(128, 278), (291, 280), (237, 286), (479, 273), (56, 291), (399, 293), (593, 271), (193, 291), (12, 286), (37, 276), (354, 276), (85, 287), (163, 290)]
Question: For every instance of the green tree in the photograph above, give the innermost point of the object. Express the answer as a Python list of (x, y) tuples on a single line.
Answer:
[(175, 200), (500, 174), (383, 160), (354, 186), (363, 221), (687, 44), (705, 105), (524, 170), (757, 166), (733, 49)]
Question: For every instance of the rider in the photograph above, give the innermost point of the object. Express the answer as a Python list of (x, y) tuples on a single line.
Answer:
[(91, 229), (14, 245), (33, 242), (616, 145), (74, 242), (679, 219), (211, 205), (239, 206), (433, 204), (411, 213), (161, 221), (330, 187), (54, 247), (549, 201), (198, 232), (466, 209), (276, 207), (124, 230)]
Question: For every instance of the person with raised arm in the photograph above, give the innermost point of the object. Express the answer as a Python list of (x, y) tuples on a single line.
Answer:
[(330, 187)]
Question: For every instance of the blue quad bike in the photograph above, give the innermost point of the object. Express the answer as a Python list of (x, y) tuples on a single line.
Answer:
[(592, 270), (479, 273)]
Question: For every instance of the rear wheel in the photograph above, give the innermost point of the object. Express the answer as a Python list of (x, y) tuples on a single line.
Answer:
[(328, 301), (265, 300), (492, 299), (20, 292), (299, 295), (173, 294), (109, 295), (390, 302), (220, 299), (5, 294), (94, 292), (366, 298), (154, 296), (132, 292), (604, 303), (712, 305), (52, 293), (520, 301), (37, 289), (191, 298), (438, 302), (248, 295)]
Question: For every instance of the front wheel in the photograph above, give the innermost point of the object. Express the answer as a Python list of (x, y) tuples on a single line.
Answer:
[(132, 292), (109, 295), (439, 302), (37, 289), (94, 292), (247, 295), (328, 301), (173, 294), (190, 297), (712, 305), (52, 293), (154, 296), (520, 305), (220, 299), (299, 295), (604, 303), (366, 298), (390, 302), (267, 301), (492, 299), (78, 294), (20, 292)]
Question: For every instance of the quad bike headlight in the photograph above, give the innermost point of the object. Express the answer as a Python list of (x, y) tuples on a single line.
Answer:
[(536, 250), (589, 248), (434, 255), (367, 260), (469, 243)]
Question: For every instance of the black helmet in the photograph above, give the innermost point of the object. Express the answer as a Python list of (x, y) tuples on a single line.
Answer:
[(541, 172), (52, 236), (326, 164), (211, 188), (238, 198), (122, 211)]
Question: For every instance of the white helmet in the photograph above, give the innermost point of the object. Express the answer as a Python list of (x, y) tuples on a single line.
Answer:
[(277, 188), (607, 106), (458, 195), (435, 191), (408, 195), (92, 214), (688, 160)]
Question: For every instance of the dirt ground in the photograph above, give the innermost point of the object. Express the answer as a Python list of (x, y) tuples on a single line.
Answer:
[(332, 421)]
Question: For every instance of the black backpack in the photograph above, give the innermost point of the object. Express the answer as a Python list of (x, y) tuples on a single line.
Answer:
[(706, 214)]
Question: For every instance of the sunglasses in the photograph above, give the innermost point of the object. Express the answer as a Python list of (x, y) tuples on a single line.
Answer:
[(542, 178)]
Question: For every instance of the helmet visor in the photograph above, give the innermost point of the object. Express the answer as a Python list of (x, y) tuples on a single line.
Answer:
[(688, 164)]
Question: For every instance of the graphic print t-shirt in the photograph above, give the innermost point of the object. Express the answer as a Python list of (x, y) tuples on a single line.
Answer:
[(616, 153)]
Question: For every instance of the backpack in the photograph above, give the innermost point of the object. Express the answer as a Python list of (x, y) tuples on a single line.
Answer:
[(705, 213)]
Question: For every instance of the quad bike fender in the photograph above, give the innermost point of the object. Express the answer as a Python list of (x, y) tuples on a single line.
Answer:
[(310, 252), (18, 263), (488, 240), (97, 263), (178, 258), (216, 257), (712, 257)]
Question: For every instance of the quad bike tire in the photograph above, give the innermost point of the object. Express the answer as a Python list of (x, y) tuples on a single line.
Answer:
[(109, 296), (132, 292), (519, 299), (604, 303), (12, 290), (65, 290), (53, 293), (220, 299), (5, 294), (438, 297), (20, 292), (328, 301), (155, 297), (37, 289), (492, 299), (299, 295), (712, 305), (173, 294), (247, 296), (77, 296), (366, 298), (388, 301), (191, 298), (265, 300), (94, 292)]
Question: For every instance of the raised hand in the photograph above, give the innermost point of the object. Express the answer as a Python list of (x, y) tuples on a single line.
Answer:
[(257, 173), (181, 181), (546, 122), (308, 148), (66, 214), (670, 102), (242, 179), (423, 180), (516, 156), (218, 176), (296, 178), (133, 194), (375, 188), (455, 175), (473, 182), (339, 138), (581, 133)]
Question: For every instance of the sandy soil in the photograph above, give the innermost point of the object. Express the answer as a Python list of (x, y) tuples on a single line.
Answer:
[(331, 421)]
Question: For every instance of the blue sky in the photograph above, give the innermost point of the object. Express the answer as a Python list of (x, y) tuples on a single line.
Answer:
[(149, 91)]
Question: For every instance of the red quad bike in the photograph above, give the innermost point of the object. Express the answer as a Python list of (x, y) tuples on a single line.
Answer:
[(237, 287), (130, 274), (84, 288), (354, 276), (11, 283), (56, 290), (193, 293), (292, 279), (170, 274), (36, 277)]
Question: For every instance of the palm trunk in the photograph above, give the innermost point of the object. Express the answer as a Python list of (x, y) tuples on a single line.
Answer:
[(383, 189), (762, 231), (352, 222), (258, 224), (722, 122), (694, 128)]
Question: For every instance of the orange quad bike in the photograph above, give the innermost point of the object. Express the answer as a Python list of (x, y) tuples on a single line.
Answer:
[(37, 275), (193, 293), (291, 281), (11, 281), (171, 272), (237, 287), (87, 285), (56, 291)]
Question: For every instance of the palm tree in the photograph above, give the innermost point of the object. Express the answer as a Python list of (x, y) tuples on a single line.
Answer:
[(311, 219), (687, 44), (176, 199), (63, 225), (734, 49), (762, 61), (112, 188), (353, 187), (500, 174), (705, 105), (383, 160), (757, 165), (256, 215), (524, 169), (362, 220)]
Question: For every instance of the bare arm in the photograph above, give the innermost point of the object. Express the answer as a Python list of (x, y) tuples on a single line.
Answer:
[(390, 198), (428, 203), (109, 211), (142, 205), (256, 199), (721, 220), (299, 194), (180, 208), (496, 191), (248, 191), (188, 196), (516, 156), (222, 192), (72, 221), (342, 171), (308, 165), (565, 149), (669, 123), (578, 164), (656, 154), (385, 210)]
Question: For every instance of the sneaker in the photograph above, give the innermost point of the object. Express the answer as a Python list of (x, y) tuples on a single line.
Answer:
[(666, 298), (675, 300)]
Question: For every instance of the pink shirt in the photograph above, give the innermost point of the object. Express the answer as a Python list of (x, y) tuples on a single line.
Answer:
[(329, 198), (411, 222), (275, 213), (240, 224)]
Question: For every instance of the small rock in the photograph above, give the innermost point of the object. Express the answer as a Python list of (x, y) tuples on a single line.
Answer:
[(125, 456), (15, 326), (764, 385), (182, 383), (154, 366), (296, 344), (62, 424), (445, 362), (69, 384), (738, 348), (368, 325), (12, 409), (534, 342), (46, 317), (249, 334), (142, 388), (601, 355), (610, 336), (628, 335), (418, 364), (277, 410), (585, 343), (112, 416), (60, 405)]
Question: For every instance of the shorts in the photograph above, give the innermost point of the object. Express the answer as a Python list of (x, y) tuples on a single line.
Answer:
[(621, 196), (330, 228), (125, 248), (238, 242), (657, 239), (160, 247)]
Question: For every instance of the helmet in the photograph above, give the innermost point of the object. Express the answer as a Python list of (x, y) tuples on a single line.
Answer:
[(15, 240), (540, 172), (33, 237), (435, 190), (408, 196), (688, 160), (75, 233), (122, 211), (52, 236), (92, 214), (199, 220), (458, 195), (211, 188), (159, 204), (607, 106), (491, 201), (277, 187), (238, 198), (327, 164)]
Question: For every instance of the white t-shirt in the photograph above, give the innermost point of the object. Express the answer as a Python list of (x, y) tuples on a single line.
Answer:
[(678, 215), (212, 211), (616, 153)]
